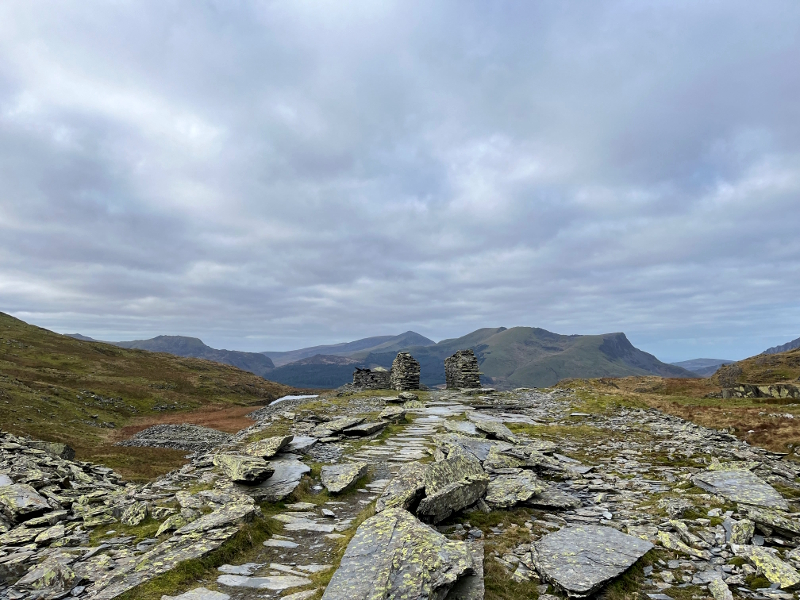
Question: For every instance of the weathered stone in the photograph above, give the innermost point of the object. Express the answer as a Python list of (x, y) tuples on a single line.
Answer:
[(393, 555), (269, 447), (338, 478), (172, 523), (407, 396), (493, 429), (56, 449), (394, 414), (20, 535), (461, 370), (405, 372), (773, 568), (740, 485), (553, 498), (134, 514), (774, 519), (508, 490), (335, 426), (20, 501), (200, 593), (289, 471), (405, 489), (479, 448), (581, 559), (742, 532), (50, 574), (51, 534), (364, 429), (672, 542), (719, 590), (229, 514), (243, 469), (451, 485)]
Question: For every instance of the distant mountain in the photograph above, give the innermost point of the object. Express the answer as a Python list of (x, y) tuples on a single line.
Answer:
[(78, 336), (178, 345), (358, 349), (784, 348), (318, 371), (533, 357), (705, 367)]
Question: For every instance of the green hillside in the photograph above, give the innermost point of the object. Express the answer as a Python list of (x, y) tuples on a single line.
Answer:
[(533, 357), (58, 388)]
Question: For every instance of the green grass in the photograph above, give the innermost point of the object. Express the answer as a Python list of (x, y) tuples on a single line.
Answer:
[(145, 529), (45, 377)]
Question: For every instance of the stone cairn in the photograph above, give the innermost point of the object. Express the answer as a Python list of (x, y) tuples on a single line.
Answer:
[(405, 372), (461, 370), (371, 379)]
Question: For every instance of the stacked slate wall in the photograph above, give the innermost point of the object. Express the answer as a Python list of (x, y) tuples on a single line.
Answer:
[(461, 370)]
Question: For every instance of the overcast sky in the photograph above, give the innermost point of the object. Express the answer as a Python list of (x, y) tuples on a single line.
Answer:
[(271, 175)]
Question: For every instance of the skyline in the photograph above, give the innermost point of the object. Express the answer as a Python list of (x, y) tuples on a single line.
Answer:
[(276, 175)]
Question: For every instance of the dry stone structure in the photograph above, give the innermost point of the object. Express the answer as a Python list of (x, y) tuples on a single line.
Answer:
[(405, 372), (371, 379), (461, 370)]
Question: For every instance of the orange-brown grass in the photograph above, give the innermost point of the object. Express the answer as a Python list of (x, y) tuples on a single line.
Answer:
[(223, 417)]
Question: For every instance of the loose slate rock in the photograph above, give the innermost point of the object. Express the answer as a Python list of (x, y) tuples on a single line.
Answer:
[(493, 429), (393, 555), (364, 429), (200, 593), (405, 489), (338, 478), (20, 501), (289, 471), (507, 490), (327, 429), (451, 485), (243, 469), (581, 559), (774, 569), (269, 447), (740, 485), (393, 414)]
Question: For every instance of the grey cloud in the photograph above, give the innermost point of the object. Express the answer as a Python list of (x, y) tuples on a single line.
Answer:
[(275, 174)]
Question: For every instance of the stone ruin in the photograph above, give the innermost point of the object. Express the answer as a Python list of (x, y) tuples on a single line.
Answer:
[(371, 379), (405, 372), (461, 370)]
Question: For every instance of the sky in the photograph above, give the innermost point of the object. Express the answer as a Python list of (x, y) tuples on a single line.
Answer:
[(270, 175)]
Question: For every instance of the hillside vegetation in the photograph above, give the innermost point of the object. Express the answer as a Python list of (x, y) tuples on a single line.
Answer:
[(57, 388), (533, 357)]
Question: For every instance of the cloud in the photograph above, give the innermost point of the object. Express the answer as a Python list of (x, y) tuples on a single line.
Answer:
[(266, 175)]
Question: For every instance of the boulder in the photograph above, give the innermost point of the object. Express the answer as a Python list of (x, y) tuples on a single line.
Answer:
[(19, 502), (338, 478), (289, 471), (775, 520), (451, 485), (49, 575), (393, 555), (407, 396), (269, 447), (581, 559), (719, 590), (134, 514), (405, 489), (230, 514), (742, 532), (774, 569), (393, 414), (243, 469), (505, 491), (740, 485), (56, 449)]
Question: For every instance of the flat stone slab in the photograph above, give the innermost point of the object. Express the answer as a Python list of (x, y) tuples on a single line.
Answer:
[(505, 491), (581, 559), (301, 443), (268, 447), (20, 501), (245, 569), (393, 413), (338, 478), (740, 485), (552, 497), (363, 429), (288, 472), (493, 429), (200, 593), (405, 489), (275, 582), (393, 555), (774, 569), (329, 428), (273, 543)]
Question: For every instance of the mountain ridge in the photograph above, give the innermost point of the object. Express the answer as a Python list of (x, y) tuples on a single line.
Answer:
[(783, 347)]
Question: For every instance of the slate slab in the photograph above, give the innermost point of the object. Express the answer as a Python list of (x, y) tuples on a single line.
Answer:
[(338, 478), (393, 555), (581, 559), (740, 485), (289, 471)]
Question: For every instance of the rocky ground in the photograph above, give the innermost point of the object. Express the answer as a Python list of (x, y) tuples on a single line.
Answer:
[(459, 495)]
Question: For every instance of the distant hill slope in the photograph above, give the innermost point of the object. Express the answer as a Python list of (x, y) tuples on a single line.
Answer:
[(783, 348), (358, 349), (78, 336), (765, 368), (705, 367), (533, 357), (179, 345), (319, 371), (58, 388)]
